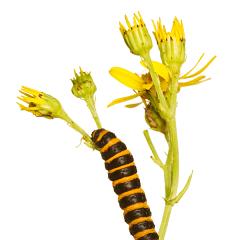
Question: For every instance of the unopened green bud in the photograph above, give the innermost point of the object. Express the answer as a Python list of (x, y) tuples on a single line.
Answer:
[(83, 85)]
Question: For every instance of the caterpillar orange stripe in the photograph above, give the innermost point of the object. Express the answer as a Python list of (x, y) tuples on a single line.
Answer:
[(126, 184)]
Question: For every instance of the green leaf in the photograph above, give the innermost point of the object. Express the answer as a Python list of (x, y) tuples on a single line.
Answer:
[(181, 194)]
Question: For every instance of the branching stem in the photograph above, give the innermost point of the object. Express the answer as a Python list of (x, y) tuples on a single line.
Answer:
[(171, 172), (155, 158), (76, 127), (166, 108)]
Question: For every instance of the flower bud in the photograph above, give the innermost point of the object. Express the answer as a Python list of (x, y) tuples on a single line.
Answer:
[(136, 36), (171, 44), (40, 104), (83, 85)]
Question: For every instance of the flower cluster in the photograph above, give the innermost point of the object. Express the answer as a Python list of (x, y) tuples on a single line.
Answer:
[(172, 51)]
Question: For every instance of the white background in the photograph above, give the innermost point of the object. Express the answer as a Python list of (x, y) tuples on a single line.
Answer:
[(53, 189)]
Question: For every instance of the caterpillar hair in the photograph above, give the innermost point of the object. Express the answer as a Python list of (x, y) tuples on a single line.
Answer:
[(122, 172)]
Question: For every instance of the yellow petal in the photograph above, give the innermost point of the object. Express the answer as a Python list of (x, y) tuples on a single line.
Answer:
[(26, 94), (22, 107), (195, 81), (123, 99), (187, 73), (159, 68), (26, 99), (127, 78), (164, 85), (29, 109), (122, 28), (30, 91), (148, 85), (133, 105), (201, 70), (31, 100)]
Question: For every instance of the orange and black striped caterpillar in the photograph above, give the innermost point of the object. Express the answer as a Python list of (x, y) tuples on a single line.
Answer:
[(126, 184)]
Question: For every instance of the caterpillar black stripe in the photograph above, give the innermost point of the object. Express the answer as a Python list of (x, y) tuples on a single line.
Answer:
[(126, 184)]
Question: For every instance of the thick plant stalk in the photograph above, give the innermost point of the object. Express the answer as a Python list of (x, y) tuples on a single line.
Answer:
[(171, 173), (171, 167), (165, 220)]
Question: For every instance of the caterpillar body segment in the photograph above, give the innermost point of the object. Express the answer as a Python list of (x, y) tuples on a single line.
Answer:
[(122, 172)]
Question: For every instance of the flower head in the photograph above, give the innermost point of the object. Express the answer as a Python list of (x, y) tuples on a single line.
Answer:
[(83, 85), (143, 83), (139, 83), (171, 44), (40, 104), (136, 36)]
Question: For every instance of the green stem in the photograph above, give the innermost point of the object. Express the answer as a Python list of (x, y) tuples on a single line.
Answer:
[(163, 107), (171, 174), (76, 127), (171, 171), (165, 220), (91, 106), (173, 139), (155, 158)]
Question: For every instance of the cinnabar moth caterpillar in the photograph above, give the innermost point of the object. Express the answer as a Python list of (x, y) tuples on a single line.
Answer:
[(126, 184)]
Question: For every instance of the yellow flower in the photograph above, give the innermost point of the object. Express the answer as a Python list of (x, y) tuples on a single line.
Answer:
[(171, 44), (40, 104), (136, 36), (142, 83), (139, 83), (130, 79)]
